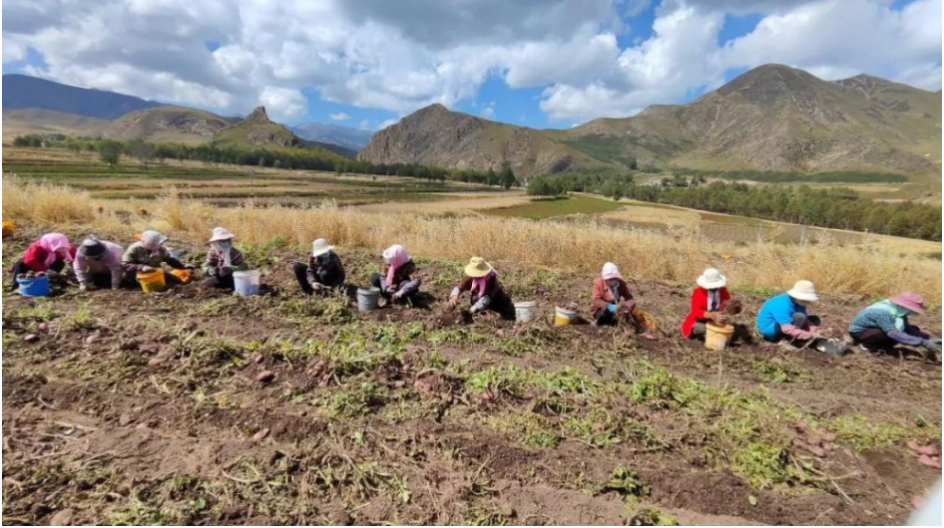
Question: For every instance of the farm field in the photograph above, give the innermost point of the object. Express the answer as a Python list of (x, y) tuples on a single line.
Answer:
[(195, 407), (133, 409)]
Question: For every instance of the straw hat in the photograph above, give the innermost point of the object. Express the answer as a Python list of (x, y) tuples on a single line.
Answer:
[(220, 234), (804, 291), (610, 271), (478, 268), (320, 247), (712, 279), (909, 301)]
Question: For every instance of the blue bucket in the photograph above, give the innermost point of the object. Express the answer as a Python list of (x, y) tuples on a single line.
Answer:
[(38, 287)]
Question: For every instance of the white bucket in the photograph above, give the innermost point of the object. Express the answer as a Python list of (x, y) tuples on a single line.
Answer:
[(525, 311), (246, 282), (368, 299)]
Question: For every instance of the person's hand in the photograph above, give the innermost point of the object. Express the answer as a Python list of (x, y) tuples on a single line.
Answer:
[(83, 287), (226, 271), (611, 307), (931, 346), (317, 286), (453, 302), (629, 306), (146, 269), (397, 296)]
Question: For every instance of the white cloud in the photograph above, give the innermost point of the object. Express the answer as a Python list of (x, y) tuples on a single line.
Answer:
[(489, 111), (340, 116), (283, 104), (387, 123), (400, 56)]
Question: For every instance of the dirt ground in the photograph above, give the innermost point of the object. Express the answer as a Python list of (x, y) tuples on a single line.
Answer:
[(195, 407)]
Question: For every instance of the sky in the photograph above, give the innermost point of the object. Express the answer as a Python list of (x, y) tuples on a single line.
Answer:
[(538, 63)]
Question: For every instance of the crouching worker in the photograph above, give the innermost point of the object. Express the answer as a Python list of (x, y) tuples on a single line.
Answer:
[(149, 254), (613, 303), (98, 264), (885, 325), (711, 303), (487, 294), (396, 283), (324, 271), (222, 260), (785, 317), (48, 255)]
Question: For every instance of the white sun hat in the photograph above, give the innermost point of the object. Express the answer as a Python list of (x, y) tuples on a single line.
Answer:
[(220, 234), (611, 271), (320, 247), (712, 279), (804, 290)]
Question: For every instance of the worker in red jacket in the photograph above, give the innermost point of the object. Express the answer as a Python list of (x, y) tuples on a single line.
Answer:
[(709, 300), (49, 255)]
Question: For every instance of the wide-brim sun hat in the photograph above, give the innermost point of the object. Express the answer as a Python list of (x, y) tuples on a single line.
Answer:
[(320, 247), (909, 301), (611, 271), (712, 279), (478, 268), (220, 234), (804, 290)]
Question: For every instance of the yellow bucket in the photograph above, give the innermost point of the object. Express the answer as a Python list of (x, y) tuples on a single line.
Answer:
[(718, 338), (152, 281), (182, 274), (564, 317)]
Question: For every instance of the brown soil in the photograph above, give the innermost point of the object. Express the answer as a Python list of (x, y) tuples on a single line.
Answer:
[(160, 417)]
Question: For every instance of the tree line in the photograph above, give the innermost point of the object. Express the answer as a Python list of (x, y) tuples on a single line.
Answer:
[(610, 183), (296, 158), (830, 208), (795, 177)]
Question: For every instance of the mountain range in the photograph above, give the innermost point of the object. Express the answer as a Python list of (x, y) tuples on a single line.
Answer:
[(33, 105), (773, 118)]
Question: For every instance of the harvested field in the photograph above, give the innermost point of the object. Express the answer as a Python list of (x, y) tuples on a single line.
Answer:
[(194, 407)]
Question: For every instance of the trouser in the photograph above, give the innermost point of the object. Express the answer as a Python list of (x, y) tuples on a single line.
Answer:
[(877, 340), (218, 281), (641, 321), (301, 275), (503, 306), (20, 267), (699, 330), (407, 288), (802, 321)]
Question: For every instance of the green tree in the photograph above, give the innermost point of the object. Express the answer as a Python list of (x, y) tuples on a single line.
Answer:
[(507, 177), (110, 152), (141, 151)]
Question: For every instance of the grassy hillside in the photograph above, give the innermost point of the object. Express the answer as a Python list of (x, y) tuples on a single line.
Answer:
[(17, 122)]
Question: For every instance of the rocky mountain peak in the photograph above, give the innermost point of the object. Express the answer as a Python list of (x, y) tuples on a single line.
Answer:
[(259, 115)]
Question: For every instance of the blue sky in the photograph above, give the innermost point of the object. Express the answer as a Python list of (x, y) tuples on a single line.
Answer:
[(537, 63)]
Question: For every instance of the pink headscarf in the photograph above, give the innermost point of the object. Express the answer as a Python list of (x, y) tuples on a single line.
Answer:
[(53, 243), (480, 285), (396, 256)]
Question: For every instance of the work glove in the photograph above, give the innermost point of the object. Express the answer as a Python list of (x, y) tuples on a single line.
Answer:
[(931, 346), (146, 269), (397, 296), (483, 303), (83, 287), (226, 271), (317, 286), (611, 308)]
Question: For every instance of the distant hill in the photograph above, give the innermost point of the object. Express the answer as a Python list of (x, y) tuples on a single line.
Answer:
[(22, 92), (778, 118), (439, 137), (351, 138), (170, 124), (773, 118), (258, 130), (17, 122)]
